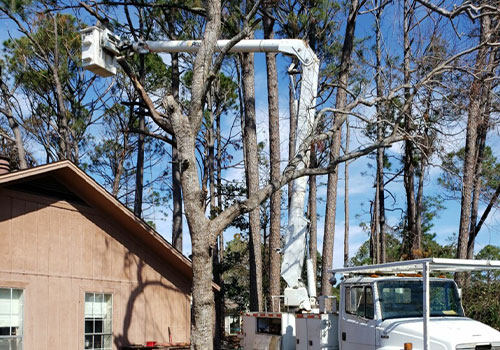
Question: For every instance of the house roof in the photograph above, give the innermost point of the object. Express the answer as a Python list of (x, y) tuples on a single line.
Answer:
[(78, 186)]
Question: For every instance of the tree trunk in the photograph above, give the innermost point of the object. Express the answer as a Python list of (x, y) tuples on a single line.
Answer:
[(420, 206), (210, 163), (411, 245), (252, 175), (346, 197), (481, 144), (292, 106), (203, 297), (176, 174), (202, 238), (274, 158), (139, 173), (312, 208), (476, 99), (219, 246), (374, 228), (119, 169), (14, 126), (64, 151), (486, 212), (341, 98), (380, 135), (474, 115)]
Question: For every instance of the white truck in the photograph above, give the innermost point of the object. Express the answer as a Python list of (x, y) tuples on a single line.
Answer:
[(381, 306), (391, 306)]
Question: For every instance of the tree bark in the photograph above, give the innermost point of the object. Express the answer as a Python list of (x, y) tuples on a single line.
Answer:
[(14, 126), (312, 208), (292, 106), (411, 240), (64, 151), (346, 197), (252, 175), (139, 173), (419, 204), (120, 168), (341, 99), (220, 303), (481, 144), (380, 135), (176, 174), (274, 159), (374, 228), (476, 100), (203, 235), (473, 119)]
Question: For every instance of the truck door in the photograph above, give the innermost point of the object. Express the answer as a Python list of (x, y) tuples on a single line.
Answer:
[(357, 328)]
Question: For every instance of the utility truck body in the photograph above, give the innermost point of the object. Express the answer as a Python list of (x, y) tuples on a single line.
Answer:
[(395, 306), (386, 313)]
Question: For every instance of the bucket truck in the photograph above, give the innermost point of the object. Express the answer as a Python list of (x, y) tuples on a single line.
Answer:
[(390, 306), (100, 48)]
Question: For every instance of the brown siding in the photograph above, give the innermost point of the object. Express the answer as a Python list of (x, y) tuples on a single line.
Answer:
[(57, 251)]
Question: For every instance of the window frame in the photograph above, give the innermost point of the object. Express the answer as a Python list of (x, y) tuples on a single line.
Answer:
[(348, 307), (103, 332), (20, 315), (273, 325)]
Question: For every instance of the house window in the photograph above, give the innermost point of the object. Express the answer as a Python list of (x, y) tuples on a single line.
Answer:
[(11, 319), (98, 321)]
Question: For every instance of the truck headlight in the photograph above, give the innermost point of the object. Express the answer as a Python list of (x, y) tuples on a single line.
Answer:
[(408, 346)]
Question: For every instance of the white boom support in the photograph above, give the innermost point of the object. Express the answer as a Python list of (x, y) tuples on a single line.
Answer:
[(99, 51), (295, 237), (293, 255)]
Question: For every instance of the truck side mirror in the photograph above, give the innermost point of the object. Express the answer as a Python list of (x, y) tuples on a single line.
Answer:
[(333, 281)]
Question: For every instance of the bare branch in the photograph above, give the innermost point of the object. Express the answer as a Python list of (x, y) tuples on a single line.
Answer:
[(467, 7)]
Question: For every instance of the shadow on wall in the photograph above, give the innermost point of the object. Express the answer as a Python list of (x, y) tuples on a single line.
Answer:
[(137, 254), (137, 257), (122, 339)]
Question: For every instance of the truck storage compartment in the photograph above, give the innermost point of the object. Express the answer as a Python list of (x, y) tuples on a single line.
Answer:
[(317, 331)]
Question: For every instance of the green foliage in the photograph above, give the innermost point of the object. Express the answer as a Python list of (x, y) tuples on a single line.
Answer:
[(15, 6), (489, 252), (236, 273), (362, 256), (451, 178), (481, 302), (156, 73), (430, 247), (28, 63), (45, 59), (480, 299)]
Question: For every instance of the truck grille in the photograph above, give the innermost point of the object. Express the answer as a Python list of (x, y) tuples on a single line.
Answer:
[(482, 346)]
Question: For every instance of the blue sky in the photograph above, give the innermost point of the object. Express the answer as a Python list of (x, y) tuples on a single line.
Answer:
[(360, 183), (361, 179)]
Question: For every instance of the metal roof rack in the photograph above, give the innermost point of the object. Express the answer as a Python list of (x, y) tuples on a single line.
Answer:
[(416, 266)]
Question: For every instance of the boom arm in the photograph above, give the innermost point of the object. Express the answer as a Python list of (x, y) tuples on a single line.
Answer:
[(99, 50), (295, 237)]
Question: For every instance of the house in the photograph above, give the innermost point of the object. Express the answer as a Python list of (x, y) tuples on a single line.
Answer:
[(79, 271), (232, 318)]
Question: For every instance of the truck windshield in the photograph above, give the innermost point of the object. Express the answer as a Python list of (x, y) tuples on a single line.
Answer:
[(399, 299)]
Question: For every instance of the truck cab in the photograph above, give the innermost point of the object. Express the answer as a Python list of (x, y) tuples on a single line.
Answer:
[(385, 313)]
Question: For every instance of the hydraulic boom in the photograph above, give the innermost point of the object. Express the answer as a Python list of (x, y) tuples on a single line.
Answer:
[(100, 48)]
